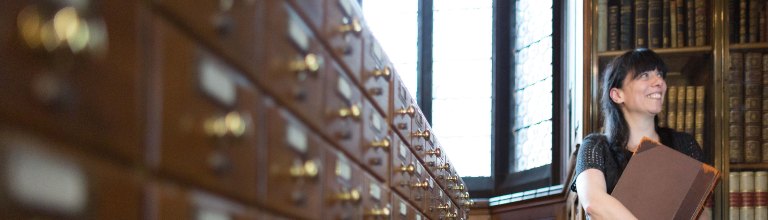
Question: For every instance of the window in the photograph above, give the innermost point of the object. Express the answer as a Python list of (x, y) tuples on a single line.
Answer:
[(486, 74)]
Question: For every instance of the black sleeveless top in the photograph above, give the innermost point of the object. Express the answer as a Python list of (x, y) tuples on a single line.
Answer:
[(595, 153)]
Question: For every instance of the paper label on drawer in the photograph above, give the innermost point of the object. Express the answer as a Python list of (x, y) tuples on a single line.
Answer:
[(346, 6), (431, 185), (418, 169), (342, 168), (377, 121), (214, 81), (210, 214), (296, 138), (375, 191), (297, 33), (403, 151), (40, 180), (376, 52), (344, 89), (418, 217), (403, 209)]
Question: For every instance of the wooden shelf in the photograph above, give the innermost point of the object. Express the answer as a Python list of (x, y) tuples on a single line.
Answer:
[(749, 166), (664, 51), (749, 46)]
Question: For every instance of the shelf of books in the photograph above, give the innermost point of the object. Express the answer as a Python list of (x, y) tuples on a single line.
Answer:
[(746, 92), (717, 53), (689, 36)]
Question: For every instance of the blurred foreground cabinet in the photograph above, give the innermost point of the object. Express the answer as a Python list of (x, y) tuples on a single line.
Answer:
[(250, 109)]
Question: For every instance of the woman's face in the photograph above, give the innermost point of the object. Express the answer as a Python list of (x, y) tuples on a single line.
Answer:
[(644, 93)]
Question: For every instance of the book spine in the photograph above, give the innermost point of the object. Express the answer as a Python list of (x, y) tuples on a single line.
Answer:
[(672, 107), (613, 27), (743, 29), (761, 27), (655, 24), (747, 187), (764, 124), (700, 22), (690, 21), (680, 120), (681, 24), (735, 84), (641, 23), (734, 195), (626, 25), (690, 102), (673, 23), (753, 107), (666, 38), (698, 130), (602, 25), (733, 18), (754, 20), (761, 194)]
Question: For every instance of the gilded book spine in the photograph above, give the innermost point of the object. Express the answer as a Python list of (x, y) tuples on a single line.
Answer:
[(680, 120), (698, 130), (735, 84), (690, 103), (753, 107), (672, 107), (641, 23)]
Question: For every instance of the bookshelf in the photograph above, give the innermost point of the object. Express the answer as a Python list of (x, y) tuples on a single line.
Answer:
[(699, 64)]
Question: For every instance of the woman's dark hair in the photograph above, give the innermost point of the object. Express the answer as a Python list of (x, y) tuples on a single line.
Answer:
[(616, 128)]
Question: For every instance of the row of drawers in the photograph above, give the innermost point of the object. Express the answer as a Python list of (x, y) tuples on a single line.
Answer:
[(100, 98), (80, 186)]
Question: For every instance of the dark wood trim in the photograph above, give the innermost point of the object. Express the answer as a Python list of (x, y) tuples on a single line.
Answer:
[(559, 115), (503, 47), (424, 63), (525, 204)]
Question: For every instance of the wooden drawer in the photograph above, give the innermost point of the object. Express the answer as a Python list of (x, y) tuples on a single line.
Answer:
[(402, 168), (343, 112), (209, 119), (402, 210), (173, 202), (376, 142), (421, 135), (376, 73), (403, 109), (232, 27), (296, 68), (91, 92), (45, 179), (295, 166), (313, 10), (342, 30), (420, 185), (344, 187), (377, 203)]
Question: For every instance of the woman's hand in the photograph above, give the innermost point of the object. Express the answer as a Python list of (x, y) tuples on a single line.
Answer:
[(593, 196)]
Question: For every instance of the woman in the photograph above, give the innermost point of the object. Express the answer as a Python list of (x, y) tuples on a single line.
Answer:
[(633, 93)]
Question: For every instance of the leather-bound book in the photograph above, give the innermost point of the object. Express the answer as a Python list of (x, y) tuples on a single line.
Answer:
[(662, 183), (672, 107), (655, 24), (690, 20), (681, 24), (626, 25), (613, 25), (690, 109), (666, 39), (700, 22), (641, 23), (698, 133)]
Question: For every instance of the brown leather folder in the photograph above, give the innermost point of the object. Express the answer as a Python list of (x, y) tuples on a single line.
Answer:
[(662, 183)]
